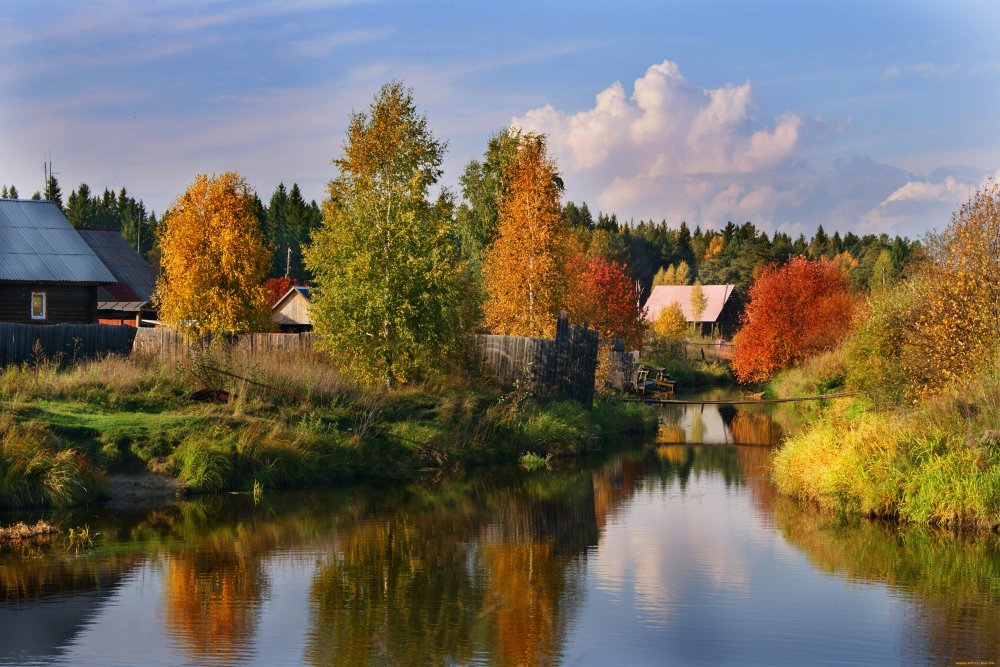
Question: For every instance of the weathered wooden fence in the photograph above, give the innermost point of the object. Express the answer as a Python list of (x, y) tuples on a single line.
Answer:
[(168, 345), (622, 364), (717, 351), (564, 366), (63, 342)]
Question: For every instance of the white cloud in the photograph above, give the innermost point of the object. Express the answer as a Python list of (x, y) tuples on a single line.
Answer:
[(676, 151), (672, 148), (922, 200), (925, 70)]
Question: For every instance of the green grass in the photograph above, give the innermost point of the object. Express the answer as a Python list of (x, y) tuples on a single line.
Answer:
[(932, 464), (125, 414)]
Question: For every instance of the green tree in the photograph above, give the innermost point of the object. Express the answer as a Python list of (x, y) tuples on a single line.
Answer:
[(52, 192), (388, 284), (484, 185)]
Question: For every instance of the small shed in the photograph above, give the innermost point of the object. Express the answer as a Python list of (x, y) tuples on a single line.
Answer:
[(291, 311), (48, 273), (722, 306), (128, 300)]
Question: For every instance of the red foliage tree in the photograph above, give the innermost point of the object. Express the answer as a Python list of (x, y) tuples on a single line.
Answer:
[(277, 287), (795, 311), (603, 295)]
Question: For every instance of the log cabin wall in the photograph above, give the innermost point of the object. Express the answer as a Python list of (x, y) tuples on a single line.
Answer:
[(64, 304)]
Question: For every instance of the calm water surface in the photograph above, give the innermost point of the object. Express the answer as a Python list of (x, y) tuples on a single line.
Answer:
[(678, 554)]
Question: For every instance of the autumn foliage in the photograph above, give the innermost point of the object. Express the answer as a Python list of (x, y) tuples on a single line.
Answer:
[(795, 311), (278, 287), (525, 268), (213, 260), (604, 296)]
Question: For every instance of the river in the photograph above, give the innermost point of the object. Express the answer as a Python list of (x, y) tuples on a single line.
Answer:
[(678, 553)]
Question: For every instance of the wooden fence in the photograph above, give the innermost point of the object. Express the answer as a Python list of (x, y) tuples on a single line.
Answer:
[(168, 345), (719, 351), (564, 366), (622, 365), (63, 342)]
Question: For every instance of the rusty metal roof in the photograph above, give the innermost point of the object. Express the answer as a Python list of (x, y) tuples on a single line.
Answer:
[(37, 244), (663, 295), (134, 274)]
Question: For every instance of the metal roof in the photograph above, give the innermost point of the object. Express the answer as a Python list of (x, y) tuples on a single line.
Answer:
[(133, 273), (37, 244), (123, 306), (663, 295)]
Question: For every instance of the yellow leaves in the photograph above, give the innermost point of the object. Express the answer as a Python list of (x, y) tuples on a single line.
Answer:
[(670, 323), (956, 322), (524, 269), (214, 260)]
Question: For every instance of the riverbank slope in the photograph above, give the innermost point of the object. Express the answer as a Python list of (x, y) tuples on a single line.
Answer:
[(936, 461), (226, 423)]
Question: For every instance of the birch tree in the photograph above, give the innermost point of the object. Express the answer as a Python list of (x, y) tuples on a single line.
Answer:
[(388, 284)]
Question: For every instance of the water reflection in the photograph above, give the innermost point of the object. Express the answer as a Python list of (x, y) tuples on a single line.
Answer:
[(712, 424), (676, 553)]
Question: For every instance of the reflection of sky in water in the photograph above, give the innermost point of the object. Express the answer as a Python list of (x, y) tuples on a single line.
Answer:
[(677, 556), (129, 629), (695, 578)]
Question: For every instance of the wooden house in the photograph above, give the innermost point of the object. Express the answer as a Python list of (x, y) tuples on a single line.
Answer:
[(723, 307), (291, 311), (48, 273), (127, 301)]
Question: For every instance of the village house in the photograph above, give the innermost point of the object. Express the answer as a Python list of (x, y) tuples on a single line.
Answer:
[(291, 311), (48, 273), (721, 316), (127, 301)]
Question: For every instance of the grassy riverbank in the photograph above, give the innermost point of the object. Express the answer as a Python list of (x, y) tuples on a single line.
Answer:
[(936, 461), (292, 421)]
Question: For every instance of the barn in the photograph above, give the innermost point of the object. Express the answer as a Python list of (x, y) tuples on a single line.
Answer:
[(723, 307), (48, 273), (291, 311)]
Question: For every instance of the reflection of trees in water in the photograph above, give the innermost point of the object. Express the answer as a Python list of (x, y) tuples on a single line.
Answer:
[(487, 572), (212, 602), (953, 579), (743, 425), (751, 427)]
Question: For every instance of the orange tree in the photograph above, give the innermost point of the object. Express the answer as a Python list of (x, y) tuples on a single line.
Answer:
[(525, 267), (213, 260), (795, 311)]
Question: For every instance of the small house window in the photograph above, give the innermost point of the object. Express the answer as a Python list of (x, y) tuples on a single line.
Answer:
[(38, 305)]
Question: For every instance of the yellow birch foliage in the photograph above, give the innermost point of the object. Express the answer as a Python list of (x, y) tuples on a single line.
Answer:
[(214, 260), (670, 323), (698, 302), (956, 327), (525, 268)]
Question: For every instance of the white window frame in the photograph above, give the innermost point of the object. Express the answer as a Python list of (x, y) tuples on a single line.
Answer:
[(45, 299)]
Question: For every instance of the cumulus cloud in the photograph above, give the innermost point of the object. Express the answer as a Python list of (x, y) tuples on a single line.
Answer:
[(928, 199), (699, 146), (673, 150)]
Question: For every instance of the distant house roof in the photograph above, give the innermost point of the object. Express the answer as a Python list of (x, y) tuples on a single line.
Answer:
[(37, 244), (134, 275), (663, 295)]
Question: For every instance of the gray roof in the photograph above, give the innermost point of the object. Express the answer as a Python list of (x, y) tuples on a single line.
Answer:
[(127, 266), (663, 295), (37, 244)]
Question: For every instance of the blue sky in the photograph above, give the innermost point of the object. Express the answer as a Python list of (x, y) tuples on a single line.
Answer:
[(855, 115)]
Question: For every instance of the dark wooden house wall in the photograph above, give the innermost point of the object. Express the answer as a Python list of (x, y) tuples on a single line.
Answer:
[(64, 304)]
